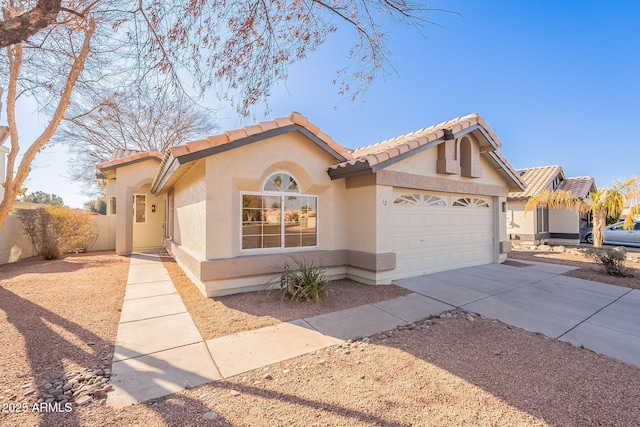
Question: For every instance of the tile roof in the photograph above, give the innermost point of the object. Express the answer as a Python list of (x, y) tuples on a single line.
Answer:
[(537, 179), (167, 172), (377, 153), (229, 136), (123, 157), (579, 186), (177, 160)]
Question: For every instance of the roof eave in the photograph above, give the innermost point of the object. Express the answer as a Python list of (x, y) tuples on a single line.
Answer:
[(509, 172)]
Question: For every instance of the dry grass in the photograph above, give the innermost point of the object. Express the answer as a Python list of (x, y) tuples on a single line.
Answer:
[(217, 317), (587, 268)]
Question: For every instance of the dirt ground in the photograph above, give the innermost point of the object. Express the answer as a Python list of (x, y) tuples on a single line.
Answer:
[(454, 371), (220, 316)]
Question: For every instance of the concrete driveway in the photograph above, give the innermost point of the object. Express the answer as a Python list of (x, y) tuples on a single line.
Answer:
[(603, 318)]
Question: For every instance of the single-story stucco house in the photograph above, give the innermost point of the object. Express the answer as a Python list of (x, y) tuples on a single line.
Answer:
[(233, 208), (545, 225)]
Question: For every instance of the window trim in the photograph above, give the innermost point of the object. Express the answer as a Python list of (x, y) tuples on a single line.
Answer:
[(113, 205), (135, 208), (282, 248)]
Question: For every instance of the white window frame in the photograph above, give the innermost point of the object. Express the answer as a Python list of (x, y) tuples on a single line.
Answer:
[(282, 195)]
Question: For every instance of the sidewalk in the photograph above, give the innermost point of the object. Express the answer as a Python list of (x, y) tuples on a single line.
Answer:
[(159, 350)]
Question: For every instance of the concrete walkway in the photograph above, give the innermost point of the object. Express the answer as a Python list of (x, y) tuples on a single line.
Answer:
[(159, 350), (603, 318)]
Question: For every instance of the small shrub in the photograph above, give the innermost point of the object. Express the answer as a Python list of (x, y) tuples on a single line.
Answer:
[(612, 260), (54, 230), (307, 283)]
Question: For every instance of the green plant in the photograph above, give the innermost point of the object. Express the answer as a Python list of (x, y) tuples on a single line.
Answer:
[(307, 283), (611, 259), (54, 230)]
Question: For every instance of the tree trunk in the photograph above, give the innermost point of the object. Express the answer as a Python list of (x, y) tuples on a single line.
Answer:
[(599, 222), (15, 179)]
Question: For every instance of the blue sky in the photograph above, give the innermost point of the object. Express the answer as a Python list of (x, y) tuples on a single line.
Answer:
[(557, 81)]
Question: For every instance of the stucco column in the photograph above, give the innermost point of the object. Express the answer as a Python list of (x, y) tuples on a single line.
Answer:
[(124, 221)]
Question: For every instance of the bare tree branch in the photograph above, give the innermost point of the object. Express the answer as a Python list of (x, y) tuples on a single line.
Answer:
[(18, 28)]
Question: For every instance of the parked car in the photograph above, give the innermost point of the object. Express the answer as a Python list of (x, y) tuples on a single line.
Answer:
[(615, 235), (586, 235)]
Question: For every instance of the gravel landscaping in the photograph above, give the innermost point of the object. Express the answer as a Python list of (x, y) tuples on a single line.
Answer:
[(587, 269), (61, 316)]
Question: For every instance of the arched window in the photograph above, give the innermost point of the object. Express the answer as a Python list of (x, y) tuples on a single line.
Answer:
[(279, 217)]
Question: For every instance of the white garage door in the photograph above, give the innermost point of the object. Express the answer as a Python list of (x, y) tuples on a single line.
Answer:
[(436, 232)]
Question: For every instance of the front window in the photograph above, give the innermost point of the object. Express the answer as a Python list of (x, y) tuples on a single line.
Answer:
[(279, 217), (140, 208), (543, 220)]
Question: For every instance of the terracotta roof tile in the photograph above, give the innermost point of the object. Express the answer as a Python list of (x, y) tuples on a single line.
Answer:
[(579, 186), (200, 145), (217, 140), (268, 125), (236, 134), (179, 150), (401, 144), (537, 179), (253, 129), (131, 158)]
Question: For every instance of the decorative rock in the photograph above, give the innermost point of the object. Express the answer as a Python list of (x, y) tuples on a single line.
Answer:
[(55, 392), (99, 394), (26, 386), (286, 371), (210, 416), (98, 372), (267, 377), (234, 393), (559, 248), (67, 387), (544, 248), (83, 400), (29, 392)]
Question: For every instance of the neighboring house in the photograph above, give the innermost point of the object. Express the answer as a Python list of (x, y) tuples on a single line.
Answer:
[(545, 225), (232, 208)]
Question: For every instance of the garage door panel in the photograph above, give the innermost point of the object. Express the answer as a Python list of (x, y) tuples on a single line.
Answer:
[(436, 238)]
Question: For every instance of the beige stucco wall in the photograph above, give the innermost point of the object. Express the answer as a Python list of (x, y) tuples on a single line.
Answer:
[(189, 219), (362, 218), (14, 244), (106, 232), (564, 221), (425, 163), (252, 165), (130, 179), (519, 222), (149, 235)]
